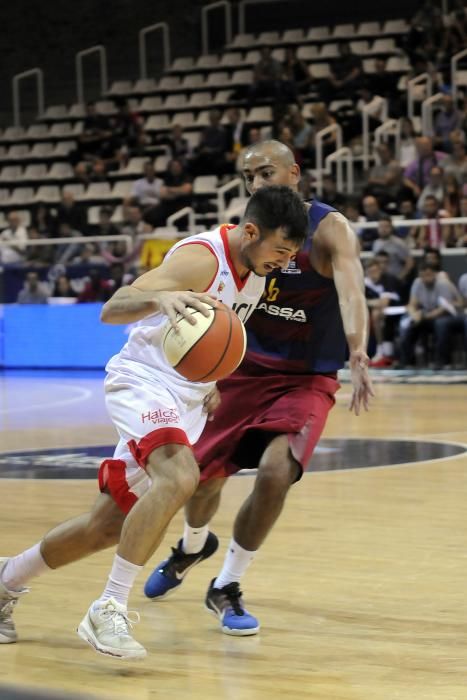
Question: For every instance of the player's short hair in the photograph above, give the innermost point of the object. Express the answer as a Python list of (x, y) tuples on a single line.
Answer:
[(276, 206)]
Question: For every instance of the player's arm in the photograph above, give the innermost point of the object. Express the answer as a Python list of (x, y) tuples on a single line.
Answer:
[(343, 248), (179, 282)]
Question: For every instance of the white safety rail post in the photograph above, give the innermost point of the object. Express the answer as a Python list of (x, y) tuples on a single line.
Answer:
[(39, 75), (366, 114), (205, 24), (454, 78), (391, 127), (181, 214), (101, 52), (319, 151), (143, 57), (422, 79), (427, 113), (341, 156), (236, 183)]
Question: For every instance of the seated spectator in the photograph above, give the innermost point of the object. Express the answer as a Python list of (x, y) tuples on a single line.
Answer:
[(97, 288), (462, 285), (179, 145), (38, 255), (371, 212), (408, 212), (267, 77), (381, 82), (127, 129), (433, 188), (321, 119), (146, 191), (448, 119), (44, 221), (303, 136), (67, 251), (373, 104), (88, 255), (401, 262), (33, 291), (253, 137), (385, 179), (456, 163), (71, 213), (16, 235), (452, 195), (285, 136), (382, 290), (296, 75), (408, 148), (433, 308), (209, 157), (237, 132), (346, 74), (330, 194), (63, 287), (106, 227), (175, 194), (96, 139), (417, 173), (433, 234), (460, 230)]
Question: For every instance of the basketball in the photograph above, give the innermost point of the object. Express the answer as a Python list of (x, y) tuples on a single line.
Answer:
[(210, 349)]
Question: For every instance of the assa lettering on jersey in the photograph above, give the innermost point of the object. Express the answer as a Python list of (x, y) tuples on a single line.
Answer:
[(164, 416), (284, 312), (243, 310)]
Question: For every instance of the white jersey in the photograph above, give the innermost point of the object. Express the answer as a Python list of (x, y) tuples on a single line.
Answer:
[(143, 355)]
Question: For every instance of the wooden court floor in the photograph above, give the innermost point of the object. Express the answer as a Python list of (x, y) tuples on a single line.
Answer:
[(361, 589)]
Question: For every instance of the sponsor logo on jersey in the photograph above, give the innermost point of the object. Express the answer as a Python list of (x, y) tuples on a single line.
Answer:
[(220, 287), (243, 310), (291, 269), (161, 416), (283, 312), (224, 273)]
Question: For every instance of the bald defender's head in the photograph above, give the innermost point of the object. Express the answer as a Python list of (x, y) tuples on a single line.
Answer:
[(269, 163)]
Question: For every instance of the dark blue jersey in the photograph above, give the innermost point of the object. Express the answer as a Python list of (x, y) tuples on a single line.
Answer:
[(297, 325)]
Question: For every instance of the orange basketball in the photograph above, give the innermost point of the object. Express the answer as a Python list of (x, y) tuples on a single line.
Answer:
[(210, 349)]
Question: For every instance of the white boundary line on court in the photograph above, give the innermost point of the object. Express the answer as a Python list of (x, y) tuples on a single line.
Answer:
[(84, 394)]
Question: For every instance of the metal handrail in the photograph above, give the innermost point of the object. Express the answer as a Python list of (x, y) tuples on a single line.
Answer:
[(427, 113), (319, 151), (143, 60), (180, 214), (390, 127), (423, 77), (99, 49), (68, 239), (366, 110), (396, 222), (39, 73), (221, 201), (454, 61), (205, 26), (338, 157)]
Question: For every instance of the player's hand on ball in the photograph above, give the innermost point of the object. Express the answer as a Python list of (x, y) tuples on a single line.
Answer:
[(211, 402), (173, 303)]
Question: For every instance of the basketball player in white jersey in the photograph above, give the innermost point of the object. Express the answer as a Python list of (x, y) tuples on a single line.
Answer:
[(157, 413)]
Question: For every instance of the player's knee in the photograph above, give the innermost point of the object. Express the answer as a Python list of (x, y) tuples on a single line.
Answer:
[(178, 475), (104, 525), (274, 479), (208, 489)]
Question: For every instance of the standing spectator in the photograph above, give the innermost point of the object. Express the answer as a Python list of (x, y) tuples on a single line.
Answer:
[(267, 77), (16, 235), (401, 262), (33, 292), (448, 119), (433, 308), (146, 191), (418, 171)]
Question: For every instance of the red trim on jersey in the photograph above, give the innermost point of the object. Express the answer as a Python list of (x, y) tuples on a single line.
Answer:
[(240, 283), (112, 480), (211, 248), (155, 439)]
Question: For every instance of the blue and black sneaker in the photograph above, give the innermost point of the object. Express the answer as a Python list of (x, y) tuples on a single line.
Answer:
[(227, 604), (171, 572)]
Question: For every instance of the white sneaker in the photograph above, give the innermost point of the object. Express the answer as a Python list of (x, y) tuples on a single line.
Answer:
[(106, 627), (8, 600)]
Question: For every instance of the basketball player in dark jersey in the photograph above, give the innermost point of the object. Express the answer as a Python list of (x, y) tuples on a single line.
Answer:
[(274, 407)]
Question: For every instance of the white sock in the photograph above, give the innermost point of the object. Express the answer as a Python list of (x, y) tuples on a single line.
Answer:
[(388, 348), (120, 581), (25, 566), (194, 538), (236, 562)]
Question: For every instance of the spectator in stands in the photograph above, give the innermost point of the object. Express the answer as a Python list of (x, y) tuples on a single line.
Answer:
[(303, 136), (96, 288), (407, 211), (400, 262), (433, 308), (63, 287), (432, 234), (447, 120), (372, 103), (209, 156), (384, 179), (452, 195), (237, 131), (127, 129), (146, 191), (330, 194), (106, 227), (16, 235), (433, 188), (118, 277), (382, 290), (460, 230), (371, 212), (381, 82), (417, 173), (253, 136), (267, 78), (96, 139), (33, 291), (71, 213), (320, 120), (38, 255), (296, 75), (285, 136), (456, 163), (462, 285), (43, 221), (176, 193), (179, 145), (346, 74), (67, 251), (408, 148)]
